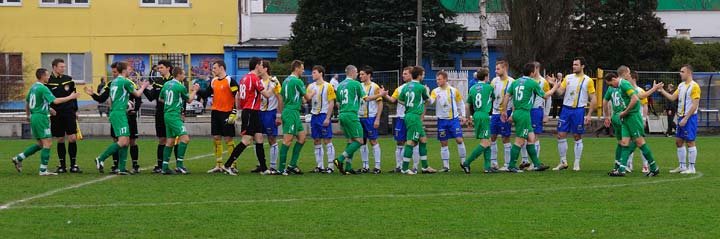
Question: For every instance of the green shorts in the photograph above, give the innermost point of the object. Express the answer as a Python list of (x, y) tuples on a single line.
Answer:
[(291, 123), (350, 124), (119, 123), (523, 123), (482, 125), (414, 126), (40, 126), (618, 127), (174, 126), (634, 125)]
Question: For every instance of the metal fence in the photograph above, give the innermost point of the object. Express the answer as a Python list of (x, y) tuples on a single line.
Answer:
[(709, 82)]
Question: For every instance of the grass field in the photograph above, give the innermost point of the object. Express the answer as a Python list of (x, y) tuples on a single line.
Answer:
[(586, 204)]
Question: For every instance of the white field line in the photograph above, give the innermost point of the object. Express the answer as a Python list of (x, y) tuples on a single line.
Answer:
[(446, 194), (74, 186)]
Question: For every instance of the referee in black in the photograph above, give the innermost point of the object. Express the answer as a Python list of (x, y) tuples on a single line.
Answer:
[(153, 93), (63, 119)]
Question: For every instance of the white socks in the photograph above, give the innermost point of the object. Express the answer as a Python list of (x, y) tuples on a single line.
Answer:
[(445, 156), (416, 157), (377, 155), (462, 153), (578, 150), (365, 156), (330, 149), (562, 150), (506, 155), (681, 152), (493, 152), (692, 155), (524, 153), (273, 155), (399, 156), (319, 156)]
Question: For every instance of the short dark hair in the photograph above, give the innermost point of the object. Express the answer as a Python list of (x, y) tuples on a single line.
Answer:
[(417, 71), (121, 66), (295, 64), (40, 72), (319, 69), (581, 59), (165, 63), (113, 65), (266, 64), (688, 67), (408, 68), (367, 69), (56, 61), (177, 71), (501, 62), (442, 73), (609, 76), (482, 73), (529, 68), (254, 62), (220, 63)]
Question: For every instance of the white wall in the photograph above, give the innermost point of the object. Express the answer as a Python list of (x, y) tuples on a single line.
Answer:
[(700, 23)]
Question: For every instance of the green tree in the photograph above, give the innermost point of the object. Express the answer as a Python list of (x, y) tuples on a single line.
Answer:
[(610, 33), (335, 33), (686, 52)]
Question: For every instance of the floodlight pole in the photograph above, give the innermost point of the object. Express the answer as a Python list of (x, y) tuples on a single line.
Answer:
[(418, 35)]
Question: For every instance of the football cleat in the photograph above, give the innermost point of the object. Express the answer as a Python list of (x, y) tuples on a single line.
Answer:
[(157, 170), (541, 168), (46, 173), (350, 172), (409, 172), (524, 165), (123, 172), (75, 169), (329, 170), (465, 169), (445, 170), (270, 171), (397, 170), (561, 166), (136, 169), (17, 163), (229, 171), (688, 171), (182, 170), (490, 170), (216, 169), (678, 170), (99, 165), (503, 169), (363, 171), (514, 170), (376, 171), (494, 165), (576, 167), (339, 166), (616, 173), (60, 170), (429, 170), (294, 170), (258, 169), (653, 173), (317, 170), (645, 169)]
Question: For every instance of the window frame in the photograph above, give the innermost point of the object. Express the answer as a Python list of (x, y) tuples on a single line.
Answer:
[(5, 3), (171, 5), (56, 4), (462, 62), (87, 58)]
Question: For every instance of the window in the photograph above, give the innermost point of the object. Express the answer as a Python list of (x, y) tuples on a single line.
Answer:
[(65, 3), (165, 3), (11, 77), (77, 65), (471, 64), (10, 3), (439, 64)]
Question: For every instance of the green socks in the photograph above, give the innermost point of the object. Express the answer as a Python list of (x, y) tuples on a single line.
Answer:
[(407, 155), (28, 152), (618, 155), (114, 147), (44, 159), (514, 152), (475, 153), (624, 155), (122, 153), (180, 154), (296, 154), (166, 158), (532, 152), (488, 162), (283, 157), (423, 155), (649, 156)]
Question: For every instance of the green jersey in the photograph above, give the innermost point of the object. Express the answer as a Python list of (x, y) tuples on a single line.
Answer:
[(120, 90), (174, 94), (480, 97), (293, 90), (350, 95), (620, 97), (39, 99), (523, 92), (414, 96)]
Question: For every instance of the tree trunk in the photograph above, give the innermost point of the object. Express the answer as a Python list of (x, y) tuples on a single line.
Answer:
[(483, 33)]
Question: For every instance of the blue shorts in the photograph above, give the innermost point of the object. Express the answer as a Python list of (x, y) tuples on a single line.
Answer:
[(498, 127), (449, 128), (317, 130), (369, 130), (267, 119), (536, 117), (400, 131), (571, 120), (689, 131)]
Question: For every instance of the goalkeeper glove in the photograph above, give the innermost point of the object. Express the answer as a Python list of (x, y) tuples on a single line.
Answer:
[(233, 116)]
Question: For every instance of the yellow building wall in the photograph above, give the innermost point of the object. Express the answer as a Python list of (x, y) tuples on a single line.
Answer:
[(116, 27)]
